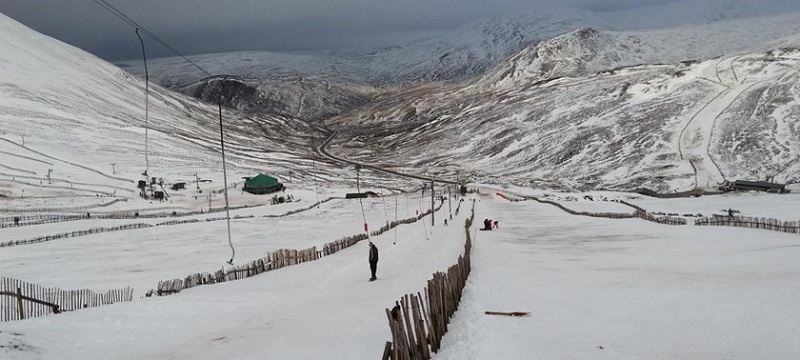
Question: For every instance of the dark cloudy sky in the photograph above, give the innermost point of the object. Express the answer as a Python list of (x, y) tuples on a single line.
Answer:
[(204, 26)]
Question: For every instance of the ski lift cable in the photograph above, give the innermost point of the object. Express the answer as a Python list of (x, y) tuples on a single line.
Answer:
[(121, 15), (116, 12), (146, 104)]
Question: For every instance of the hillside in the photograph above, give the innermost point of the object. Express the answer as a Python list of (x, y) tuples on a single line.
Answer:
[(576, 111), (545, 118), (316, 86), (66, 110)]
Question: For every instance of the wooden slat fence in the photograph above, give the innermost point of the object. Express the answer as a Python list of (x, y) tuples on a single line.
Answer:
[(304, 209), (344, 243), (55, 219), (38, 220), (46, 238), (341, 244), (130, 214), (666, 220), (751, 222), (58, 209), (419, 323), (638, 213), (22, 300), (275, 260), (607, 215), (635, 207)]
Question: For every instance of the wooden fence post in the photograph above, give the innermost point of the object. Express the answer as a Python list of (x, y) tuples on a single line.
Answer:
[(19, 304), (387, 351)]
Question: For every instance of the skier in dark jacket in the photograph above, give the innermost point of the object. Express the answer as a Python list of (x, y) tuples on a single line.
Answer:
[(373, 260)]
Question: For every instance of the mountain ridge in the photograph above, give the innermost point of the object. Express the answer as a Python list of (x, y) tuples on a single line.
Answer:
[(474, 48)]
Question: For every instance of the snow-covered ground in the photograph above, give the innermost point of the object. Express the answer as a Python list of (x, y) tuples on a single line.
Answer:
[(626, 289), (596, 288)]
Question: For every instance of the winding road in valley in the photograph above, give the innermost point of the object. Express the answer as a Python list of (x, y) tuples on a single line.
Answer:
[(323, 151)]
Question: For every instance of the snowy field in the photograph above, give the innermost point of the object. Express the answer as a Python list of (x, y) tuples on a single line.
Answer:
[(626, 289), (596, 288), (142, 257)]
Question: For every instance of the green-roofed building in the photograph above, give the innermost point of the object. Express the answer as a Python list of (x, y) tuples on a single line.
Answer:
[(262, 184)]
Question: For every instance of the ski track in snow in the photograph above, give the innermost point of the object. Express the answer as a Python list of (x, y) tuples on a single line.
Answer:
[(695, 138)]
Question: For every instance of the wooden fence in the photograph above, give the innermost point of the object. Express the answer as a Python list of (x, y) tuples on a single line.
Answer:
[(60, 218), (751, 222), (418, 324), (666, 220), (46, 238), (37, 220), (131, 214), (275, 260), (638, 213), (21, 300), (72, 209), (607, 215)]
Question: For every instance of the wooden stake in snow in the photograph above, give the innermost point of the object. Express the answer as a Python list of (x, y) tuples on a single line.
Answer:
[(511, 314)]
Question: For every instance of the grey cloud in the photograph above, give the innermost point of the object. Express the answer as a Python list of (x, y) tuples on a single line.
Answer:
[(201, 26)]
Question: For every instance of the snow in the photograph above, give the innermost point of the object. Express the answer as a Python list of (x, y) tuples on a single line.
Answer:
[(630, 286), (662, 127), (634, 288), (293, 312)]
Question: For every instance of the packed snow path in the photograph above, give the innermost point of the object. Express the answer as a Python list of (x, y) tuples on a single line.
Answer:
[(695, 138)]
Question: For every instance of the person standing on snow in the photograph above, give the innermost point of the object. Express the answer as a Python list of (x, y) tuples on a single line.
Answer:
[(373, 260)]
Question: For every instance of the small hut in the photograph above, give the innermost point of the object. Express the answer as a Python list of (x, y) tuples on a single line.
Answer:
[(262, 184)]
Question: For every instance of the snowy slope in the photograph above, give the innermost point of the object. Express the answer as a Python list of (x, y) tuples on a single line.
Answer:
[(667, 127), (315, 86), (631, 287), (65, 110), (304, 86)]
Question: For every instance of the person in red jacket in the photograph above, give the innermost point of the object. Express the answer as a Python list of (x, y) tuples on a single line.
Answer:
[(373, 260)]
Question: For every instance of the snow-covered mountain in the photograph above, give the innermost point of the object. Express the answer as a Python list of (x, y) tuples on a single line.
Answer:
[(315, 86), (587, 109), (304, 86), (546, 118), (587, 51), (66, 110)]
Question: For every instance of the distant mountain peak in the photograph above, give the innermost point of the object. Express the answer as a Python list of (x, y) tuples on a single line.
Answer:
[(579, 52)]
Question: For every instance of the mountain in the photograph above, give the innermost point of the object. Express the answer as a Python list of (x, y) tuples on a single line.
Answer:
[(586, 109), (67, 115), (547, 118), (316, 86), (302, 86), (587, 51)]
